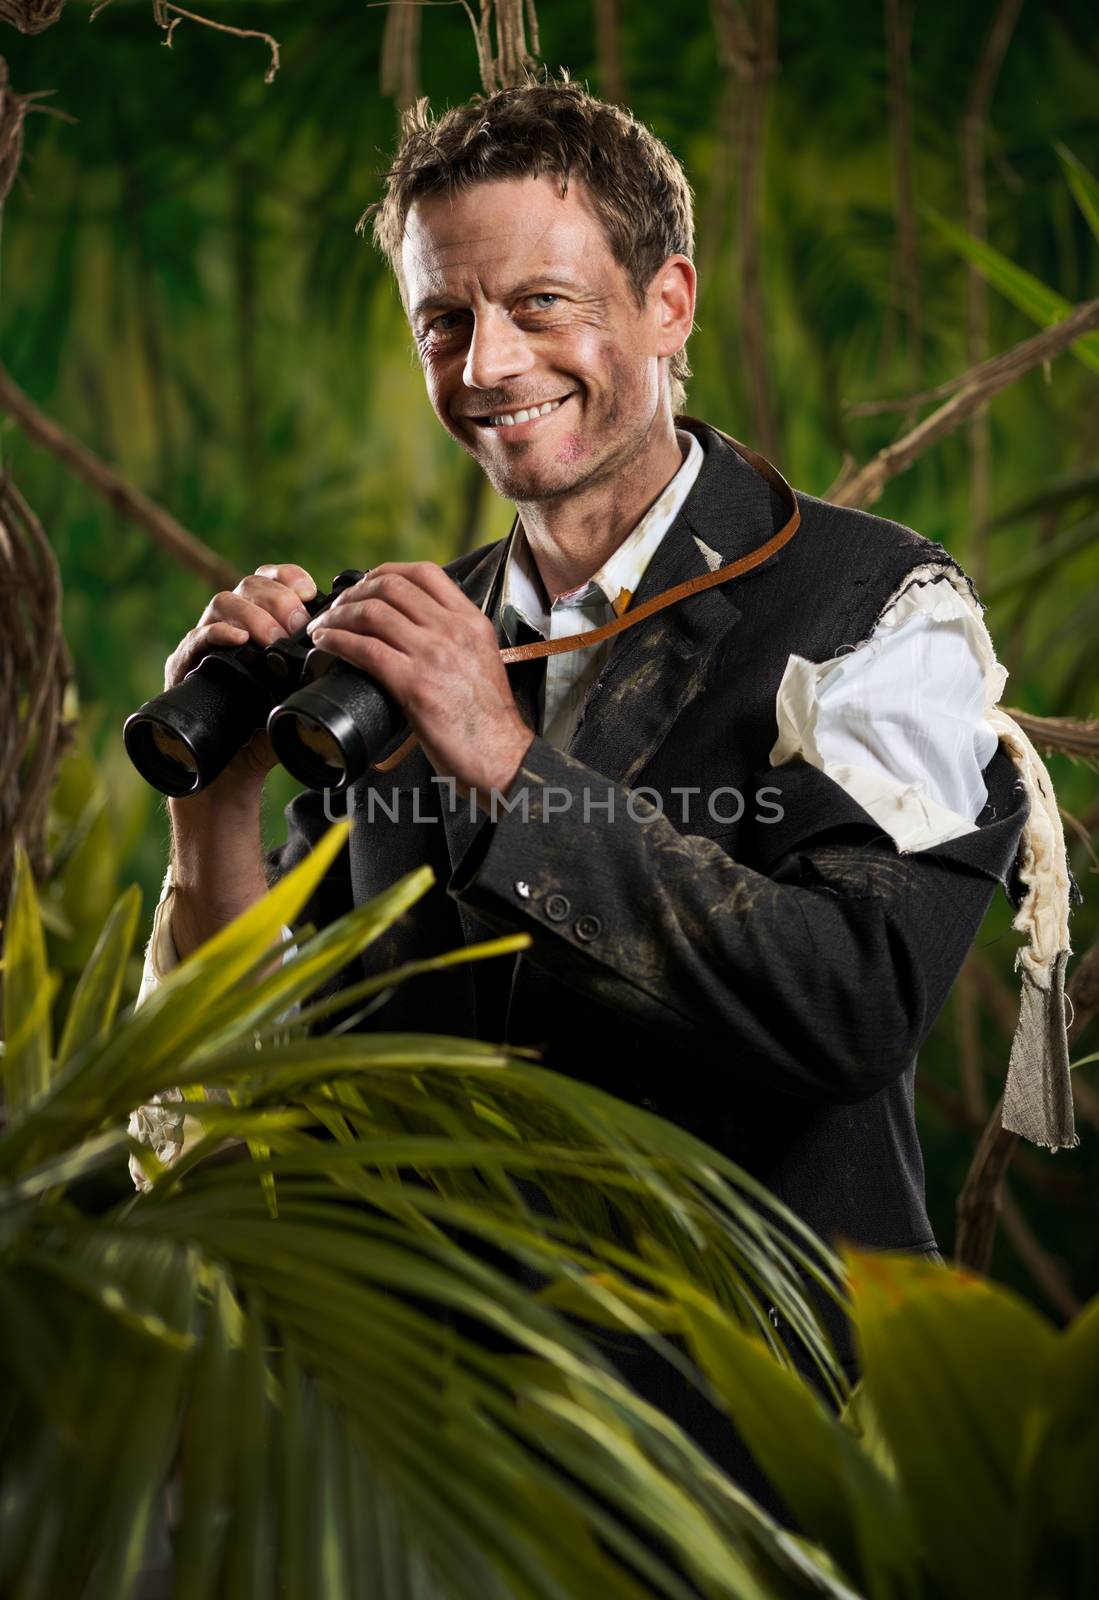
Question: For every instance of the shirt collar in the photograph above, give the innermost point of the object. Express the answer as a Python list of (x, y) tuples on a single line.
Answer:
[(618, 579)]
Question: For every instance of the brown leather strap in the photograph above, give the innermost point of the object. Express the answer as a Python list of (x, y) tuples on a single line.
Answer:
[(670, 597)]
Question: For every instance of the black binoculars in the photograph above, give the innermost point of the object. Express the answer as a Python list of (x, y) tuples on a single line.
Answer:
[(327, 721)]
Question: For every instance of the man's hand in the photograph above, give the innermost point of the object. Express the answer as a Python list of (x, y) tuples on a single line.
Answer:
[(217, 853), (264, 607), (410, 626)]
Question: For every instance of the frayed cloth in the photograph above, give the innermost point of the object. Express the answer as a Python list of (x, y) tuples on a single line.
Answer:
[(1038, 1095)]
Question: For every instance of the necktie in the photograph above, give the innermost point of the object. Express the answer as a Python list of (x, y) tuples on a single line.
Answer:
[(527, 679)]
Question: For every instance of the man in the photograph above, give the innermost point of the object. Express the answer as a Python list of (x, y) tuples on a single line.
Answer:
[(752, 837)]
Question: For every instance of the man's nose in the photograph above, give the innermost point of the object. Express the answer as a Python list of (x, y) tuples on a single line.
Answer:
[(498, 351)]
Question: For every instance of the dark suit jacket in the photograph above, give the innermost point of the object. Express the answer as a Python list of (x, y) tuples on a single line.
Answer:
[(765, 979)]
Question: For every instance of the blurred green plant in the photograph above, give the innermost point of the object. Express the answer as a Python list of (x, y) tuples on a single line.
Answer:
[(967, 1460), (1025, 291), (275, 1375), (280, 1344)]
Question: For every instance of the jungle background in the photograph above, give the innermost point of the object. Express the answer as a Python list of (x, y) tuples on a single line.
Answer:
[(183, 292)]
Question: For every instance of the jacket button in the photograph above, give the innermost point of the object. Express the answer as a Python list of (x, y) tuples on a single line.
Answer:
[(588, 928), (557, 907)]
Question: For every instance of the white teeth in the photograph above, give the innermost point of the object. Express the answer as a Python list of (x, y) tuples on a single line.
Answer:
[(507, 420)]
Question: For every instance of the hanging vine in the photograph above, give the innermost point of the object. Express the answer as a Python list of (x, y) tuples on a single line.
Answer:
[(31, 16)]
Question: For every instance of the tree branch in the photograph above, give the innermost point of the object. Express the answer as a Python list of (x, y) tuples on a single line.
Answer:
[(864, 486), (1059, 736), (169, 16), (122, 496)]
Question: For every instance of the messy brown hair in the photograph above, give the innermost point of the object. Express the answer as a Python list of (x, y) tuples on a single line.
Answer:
[(549, 127)]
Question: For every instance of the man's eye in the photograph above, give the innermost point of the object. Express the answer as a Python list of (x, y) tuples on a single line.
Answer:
[(446, 322), (543, 302)]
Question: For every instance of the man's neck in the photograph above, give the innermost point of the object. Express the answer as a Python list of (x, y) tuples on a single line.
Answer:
[(571, 537)]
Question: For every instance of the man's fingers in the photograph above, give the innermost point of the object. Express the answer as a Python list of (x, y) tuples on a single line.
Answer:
[(262, 597), (291, 575), (426, 576), (376, 617), (392, 590), (210, 636), (370, 654)]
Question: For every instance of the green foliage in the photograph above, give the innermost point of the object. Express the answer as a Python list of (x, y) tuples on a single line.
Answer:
[(340, 1393), (966, 1461), (1022, 288), (299, 1343)]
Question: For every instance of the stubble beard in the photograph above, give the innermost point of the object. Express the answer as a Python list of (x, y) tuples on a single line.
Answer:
[(516, 486)]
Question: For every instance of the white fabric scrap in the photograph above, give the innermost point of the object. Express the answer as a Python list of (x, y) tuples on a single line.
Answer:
[(906, 722)]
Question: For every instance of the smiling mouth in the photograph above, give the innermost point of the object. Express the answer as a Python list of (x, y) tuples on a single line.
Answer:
[(525, 414)]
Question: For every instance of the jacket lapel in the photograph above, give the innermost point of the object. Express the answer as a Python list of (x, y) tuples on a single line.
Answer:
[(656, 669)]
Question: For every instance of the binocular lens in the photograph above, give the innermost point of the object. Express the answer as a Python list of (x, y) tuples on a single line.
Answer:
[(321, 743), (186, 737), (162, 757), (329, 731), (172, 748)]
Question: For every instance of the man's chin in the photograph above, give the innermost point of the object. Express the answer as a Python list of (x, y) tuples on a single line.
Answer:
[(525, 477), (513, 482)]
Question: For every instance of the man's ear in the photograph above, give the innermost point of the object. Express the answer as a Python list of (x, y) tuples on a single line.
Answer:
[(672, 300)]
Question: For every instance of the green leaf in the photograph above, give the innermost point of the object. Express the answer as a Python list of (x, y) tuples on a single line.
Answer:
[(952, 1365), (835, 1491), (1084, 186), (210, 1452), (1059, 1536), (106, 1079), (95, 1001), (1025, 291), (28, 993)]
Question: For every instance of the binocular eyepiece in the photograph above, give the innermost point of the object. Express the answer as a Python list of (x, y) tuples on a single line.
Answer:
[(326, 720)]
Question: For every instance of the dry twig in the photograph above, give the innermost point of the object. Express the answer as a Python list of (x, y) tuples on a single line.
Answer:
[(123, 496), (1060, 736), (14, 110), (864, 486), (31, 16), (511, 60), (168, 17), (34, 670), (400, 65)]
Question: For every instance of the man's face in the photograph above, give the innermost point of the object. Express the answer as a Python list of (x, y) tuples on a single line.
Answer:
[(517, 304)]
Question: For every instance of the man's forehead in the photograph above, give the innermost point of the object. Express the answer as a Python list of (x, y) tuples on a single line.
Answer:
[(493, 226)]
